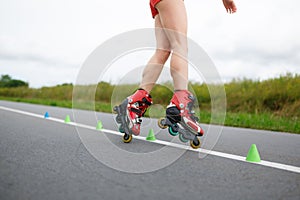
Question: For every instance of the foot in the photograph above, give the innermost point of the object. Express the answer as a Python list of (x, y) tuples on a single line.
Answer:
[(132, 109), (183, 101)]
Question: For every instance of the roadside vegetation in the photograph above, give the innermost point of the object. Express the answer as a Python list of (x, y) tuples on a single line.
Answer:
[(272, 104)]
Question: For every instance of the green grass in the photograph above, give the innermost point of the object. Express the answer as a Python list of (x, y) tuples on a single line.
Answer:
[(59, 103), (272, 104), (265, 121), (99, 106)]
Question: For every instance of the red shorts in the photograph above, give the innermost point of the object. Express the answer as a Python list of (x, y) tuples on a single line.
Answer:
[(153, 3)]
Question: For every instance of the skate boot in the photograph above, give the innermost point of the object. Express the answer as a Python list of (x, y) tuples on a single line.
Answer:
[(180, 119), (129, 113)]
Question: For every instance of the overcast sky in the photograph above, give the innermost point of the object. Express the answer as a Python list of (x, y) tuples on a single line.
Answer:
[(45, 42)]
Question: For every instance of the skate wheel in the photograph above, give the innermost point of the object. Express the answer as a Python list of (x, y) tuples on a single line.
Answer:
[(195, 144), (121, 129), (118, 119), (161, 123), (115, 109), (182, 138), (127, 138), (172, 132)]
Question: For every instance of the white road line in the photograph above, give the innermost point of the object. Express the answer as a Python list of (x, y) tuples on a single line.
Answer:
[(215, 153)]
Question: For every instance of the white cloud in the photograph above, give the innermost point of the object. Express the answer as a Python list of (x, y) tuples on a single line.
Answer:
[(261, 40)]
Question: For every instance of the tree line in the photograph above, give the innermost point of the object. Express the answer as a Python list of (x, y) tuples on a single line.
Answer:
[(7, 82)]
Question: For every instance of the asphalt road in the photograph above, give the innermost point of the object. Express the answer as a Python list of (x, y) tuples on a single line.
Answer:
[(44, 159)]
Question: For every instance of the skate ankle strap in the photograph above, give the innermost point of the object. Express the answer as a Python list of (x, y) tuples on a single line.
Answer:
[(145, 100)]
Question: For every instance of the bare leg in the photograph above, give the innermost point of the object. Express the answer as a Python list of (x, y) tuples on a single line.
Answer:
[(157, 61), (173, 18)]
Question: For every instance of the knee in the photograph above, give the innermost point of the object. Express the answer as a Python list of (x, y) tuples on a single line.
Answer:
[(162, 55), (179, 47), (178, 43)]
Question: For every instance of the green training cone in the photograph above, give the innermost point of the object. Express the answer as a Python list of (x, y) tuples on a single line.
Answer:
[(67, 119), (99, 125), (253, 155), (151, 136)]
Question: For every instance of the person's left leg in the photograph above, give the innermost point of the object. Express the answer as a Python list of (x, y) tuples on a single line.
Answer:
[(173, 18), (180, 110), (134, 106)]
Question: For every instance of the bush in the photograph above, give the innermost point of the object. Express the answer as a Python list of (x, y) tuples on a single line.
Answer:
[(7, 82)]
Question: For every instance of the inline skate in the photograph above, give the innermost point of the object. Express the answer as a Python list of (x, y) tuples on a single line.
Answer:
[(129, 113), (181, 120)]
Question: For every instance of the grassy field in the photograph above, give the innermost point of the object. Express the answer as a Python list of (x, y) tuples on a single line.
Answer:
[(272, 104)]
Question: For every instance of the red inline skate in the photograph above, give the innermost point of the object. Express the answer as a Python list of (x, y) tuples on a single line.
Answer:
[(130, 111), (181, 120)]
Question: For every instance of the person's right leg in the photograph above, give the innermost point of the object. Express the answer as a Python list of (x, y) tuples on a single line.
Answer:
[(157, 61), (134, 106)]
